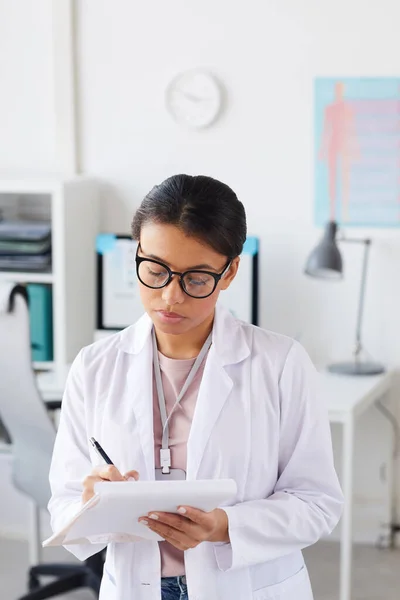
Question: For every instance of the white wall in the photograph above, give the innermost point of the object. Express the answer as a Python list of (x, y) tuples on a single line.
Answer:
[(267, 55), (26, 86)]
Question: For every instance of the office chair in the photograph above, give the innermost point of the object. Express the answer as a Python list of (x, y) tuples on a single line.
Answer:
[(32, 433)]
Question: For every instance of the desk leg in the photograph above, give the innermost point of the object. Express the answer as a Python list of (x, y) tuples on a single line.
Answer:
[(35, 548), (347, 517), (386, 539)]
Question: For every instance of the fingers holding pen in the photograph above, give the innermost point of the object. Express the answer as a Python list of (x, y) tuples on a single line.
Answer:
[(104, 473)]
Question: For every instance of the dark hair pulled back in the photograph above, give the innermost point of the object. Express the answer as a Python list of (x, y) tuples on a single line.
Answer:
[(200, 206)]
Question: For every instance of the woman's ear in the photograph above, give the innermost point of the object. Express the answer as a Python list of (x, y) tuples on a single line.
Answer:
[(230, 274)]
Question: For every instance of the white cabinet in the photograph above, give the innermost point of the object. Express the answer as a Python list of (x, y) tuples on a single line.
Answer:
[(72, 207)]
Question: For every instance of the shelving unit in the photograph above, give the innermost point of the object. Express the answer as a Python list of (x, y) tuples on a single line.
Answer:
[(21, 277), (72, 208)]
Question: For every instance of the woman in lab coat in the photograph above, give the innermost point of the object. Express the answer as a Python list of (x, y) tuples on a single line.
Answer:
[(249, 411)]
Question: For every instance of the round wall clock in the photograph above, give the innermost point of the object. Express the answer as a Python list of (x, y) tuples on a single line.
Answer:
[(194, 98)]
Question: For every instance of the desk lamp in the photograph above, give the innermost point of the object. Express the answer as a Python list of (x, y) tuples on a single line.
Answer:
[(325, 262)]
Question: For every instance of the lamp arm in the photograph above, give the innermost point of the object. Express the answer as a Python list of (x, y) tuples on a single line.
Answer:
[(360, 312), (354, 240)]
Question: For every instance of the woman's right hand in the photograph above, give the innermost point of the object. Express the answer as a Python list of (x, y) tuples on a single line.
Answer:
[(104, 473)]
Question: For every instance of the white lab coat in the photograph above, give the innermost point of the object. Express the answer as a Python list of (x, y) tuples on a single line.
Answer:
[(258, 420)]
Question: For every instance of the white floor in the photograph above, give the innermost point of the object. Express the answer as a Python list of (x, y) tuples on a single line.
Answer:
[(376, 572)]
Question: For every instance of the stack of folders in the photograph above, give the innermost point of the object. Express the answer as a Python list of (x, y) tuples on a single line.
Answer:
[(25, 245)]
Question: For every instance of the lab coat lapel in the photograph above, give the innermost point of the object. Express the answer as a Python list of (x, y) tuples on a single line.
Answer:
[(213, 393), (136, 341), (229, 347), (140, 383)]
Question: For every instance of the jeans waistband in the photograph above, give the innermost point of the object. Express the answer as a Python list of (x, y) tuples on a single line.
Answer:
[(181, 579)]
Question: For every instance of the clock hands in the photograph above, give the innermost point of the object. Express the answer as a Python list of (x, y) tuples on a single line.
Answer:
[(192, 97)]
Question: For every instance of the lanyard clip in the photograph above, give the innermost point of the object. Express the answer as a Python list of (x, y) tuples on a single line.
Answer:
[(165, 460)]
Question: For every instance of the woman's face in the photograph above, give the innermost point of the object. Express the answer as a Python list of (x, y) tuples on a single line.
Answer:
[(170, 308)]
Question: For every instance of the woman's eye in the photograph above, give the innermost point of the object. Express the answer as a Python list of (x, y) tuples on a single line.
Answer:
[(156, 273), (198, 281)]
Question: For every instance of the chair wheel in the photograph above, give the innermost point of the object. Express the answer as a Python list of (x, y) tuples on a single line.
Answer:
[(33, 582)]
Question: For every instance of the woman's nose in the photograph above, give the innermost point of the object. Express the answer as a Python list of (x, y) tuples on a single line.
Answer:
[(173, 293)]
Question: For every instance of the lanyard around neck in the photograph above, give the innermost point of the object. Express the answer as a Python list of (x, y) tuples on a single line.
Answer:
[(165, 453)]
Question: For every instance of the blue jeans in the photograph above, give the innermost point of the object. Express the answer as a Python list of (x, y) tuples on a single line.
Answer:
[(174, 588)]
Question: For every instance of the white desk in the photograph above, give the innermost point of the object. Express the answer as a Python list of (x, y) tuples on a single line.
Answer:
[(347, 398), (51, 384)]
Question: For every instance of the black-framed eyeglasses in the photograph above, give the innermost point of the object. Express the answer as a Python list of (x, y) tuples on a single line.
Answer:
[(195, 283)]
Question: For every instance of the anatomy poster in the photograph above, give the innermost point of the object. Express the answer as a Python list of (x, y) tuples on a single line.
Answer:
[(357, 151)]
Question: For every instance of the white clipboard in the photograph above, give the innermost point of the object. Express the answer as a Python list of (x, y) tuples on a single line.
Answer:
[(113, 512)]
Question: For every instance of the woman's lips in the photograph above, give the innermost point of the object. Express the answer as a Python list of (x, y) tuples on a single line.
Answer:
[(169, 317)]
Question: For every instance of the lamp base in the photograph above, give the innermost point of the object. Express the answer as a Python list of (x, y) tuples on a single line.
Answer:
[(357, 368)]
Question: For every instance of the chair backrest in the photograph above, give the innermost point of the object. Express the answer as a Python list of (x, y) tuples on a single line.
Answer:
[(21, 407)]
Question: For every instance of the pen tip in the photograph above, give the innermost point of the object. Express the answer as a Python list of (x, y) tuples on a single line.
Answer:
[(92, 440)]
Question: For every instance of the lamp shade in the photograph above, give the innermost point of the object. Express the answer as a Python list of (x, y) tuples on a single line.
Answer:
[(325, 261)]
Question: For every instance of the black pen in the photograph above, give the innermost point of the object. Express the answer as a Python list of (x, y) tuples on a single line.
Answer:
[(100, 451)]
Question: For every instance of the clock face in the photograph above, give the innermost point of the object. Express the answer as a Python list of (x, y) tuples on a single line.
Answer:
[(194, 98)]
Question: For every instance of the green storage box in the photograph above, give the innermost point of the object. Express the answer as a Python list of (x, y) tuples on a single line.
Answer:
[(41, 321)]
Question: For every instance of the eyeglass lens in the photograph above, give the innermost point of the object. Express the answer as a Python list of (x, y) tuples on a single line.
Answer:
[(195, 283)]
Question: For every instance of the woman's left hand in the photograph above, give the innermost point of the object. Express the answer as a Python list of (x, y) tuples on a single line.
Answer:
[(190, 529)]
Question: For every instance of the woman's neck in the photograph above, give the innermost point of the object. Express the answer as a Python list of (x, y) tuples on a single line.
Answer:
[(185, 345)]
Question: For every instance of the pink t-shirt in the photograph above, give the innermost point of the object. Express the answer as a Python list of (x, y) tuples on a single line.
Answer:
[(174, 374)]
